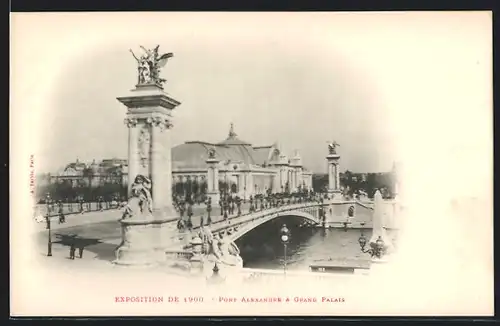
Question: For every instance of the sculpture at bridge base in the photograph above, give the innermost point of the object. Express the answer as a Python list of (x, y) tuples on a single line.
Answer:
[(137, 228), (219, 251)]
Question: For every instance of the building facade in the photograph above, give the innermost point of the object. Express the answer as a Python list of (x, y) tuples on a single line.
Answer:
[(80, 174), (243, 169)]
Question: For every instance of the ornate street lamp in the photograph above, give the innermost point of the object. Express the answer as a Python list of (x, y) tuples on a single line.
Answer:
[(285, 237), (216, 278), (235, 167), (47, 217), (377, 249)]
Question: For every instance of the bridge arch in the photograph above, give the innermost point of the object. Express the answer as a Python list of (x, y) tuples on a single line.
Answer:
[(247, 227)]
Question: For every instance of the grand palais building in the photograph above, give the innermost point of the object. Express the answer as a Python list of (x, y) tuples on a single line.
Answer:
[(243, 169)]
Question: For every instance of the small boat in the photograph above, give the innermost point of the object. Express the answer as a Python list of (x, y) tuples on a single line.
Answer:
[(349, 266)]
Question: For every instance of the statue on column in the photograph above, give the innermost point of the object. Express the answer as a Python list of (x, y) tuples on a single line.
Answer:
[(150, 64), (140, 201), (332, 147)]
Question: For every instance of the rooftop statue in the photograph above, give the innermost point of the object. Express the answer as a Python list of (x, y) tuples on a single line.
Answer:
[(149, 65), (211, 152)]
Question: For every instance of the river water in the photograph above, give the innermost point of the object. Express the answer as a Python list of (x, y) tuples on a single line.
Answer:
[(262, 247)]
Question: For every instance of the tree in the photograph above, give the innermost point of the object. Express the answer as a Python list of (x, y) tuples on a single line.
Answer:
[(320, 182), (371, 184)]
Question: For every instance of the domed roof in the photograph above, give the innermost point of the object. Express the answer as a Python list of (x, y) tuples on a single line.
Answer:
[(232, 139)]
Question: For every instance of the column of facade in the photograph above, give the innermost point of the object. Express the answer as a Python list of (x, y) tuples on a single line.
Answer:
[(294, 178), (249, 184), (213, 180), (276, 181), (299, 177)]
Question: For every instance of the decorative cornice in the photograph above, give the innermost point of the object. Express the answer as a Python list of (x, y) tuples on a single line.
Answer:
[(161, 122), (158, 99), (130, 122)]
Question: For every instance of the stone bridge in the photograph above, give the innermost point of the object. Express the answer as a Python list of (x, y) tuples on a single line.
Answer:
[(336, 216)]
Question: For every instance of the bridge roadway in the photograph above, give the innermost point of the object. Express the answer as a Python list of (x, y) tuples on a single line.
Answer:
[(103, 227), (105, 231)]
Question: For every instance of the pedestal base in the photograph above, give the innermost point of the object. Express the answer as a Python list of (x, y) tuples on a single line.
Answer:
[(165, 213), (143, 243), (335, 194), (135, 258)]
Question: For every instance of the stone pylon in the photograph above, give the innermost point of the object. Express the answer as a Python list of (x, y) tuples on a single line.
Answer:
[(149, 121), (333, 160), (379, 222), (213, 178)]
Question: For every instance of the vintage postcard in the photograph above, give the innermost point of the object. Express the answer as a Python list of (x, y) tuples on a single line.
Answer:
[(251, 164)]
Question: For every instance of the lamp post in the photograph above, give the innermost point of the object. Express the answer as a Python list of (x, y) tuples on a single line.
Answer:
[(49, 242), (235, 167), (226, 186), (377, 249), (285, 237), (216, 278)]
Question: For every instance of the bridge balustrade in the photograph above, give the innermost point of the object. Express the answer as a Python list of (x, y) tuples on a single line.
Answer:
[(178, 254), (238, 221), (74, 208)]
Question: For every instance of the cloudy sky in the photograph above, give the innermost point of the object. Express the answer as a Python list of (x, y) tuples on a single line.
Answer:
[(381, 85)]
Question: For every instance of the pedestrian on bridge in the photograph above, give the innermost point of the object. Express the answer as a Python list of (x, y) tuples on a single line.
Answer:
[(62, 218), (238, 205), (225, 209), (80, 251), (181, 212), (72, 250), (209, 207), (232, 207), (190, 210)]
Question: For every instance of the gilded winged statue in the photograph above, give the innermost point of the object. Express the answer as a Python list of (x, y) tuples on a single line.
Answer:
[(150, 64), (332, 147)]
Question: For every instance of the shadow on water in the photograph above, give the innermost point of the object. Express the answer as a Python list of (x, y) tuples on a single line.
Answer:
[(262, 247)]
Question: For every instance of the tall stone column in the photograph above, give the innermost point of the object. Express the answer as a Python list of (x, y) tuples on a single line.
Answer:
[(333, 175), (133, 151), (250, 185), (145, 231), (161, 166), (213, 180)]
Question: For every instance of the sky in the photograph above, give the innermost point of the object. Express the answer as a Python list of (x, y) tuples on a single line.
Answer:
[(415, 87), (385, 86)]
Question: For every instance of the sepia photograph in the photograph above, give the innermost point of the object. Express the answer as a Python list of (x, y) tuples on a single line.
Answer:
[(251, 164)]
